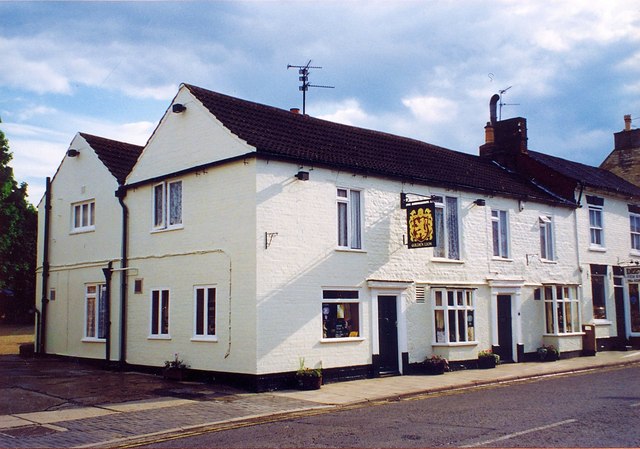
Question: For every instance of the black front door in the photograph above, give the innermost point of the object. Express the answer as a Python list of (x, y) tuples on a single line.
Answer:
[(505, 333), (388, 334)]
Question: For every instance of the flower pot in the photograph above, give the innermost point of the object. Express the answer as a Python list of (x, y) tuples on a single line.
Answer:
[(486, 362), (435, 368), (309, 382), (173, 373)]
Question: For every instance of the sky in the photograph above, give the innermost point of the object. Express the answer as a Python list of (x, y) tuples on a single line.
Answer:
[(421, 69)]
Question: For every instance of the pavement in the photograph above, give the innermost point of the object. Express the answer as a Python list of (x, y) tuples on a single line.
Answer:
[(48, 402)]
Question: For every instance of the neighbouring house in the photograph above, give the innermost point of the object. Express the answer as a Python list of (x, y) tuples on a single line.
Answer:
[(607, 235), (247, 238), (624, 160)]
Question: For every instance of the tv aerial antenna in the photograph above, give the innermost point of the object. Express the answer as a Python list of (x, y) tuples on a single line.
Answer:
[(303, 71), (501, 103)]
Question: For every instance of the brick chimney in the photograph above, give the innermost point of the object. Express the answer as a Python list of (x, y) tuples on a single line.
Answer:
[(505, 140), (624, 160)]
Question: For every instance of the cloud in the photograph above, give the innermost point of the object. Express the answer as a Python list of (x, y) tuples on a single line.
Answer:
[(431, 109)]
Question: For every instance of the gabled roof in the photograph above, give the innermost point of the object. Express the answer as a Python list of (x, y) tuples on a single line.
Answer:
[(594, 177), (279, 133), (118, 157)]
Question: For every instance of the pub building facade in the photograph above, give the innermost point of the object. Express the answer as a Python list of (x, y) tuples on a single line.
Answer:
[(253, 239)]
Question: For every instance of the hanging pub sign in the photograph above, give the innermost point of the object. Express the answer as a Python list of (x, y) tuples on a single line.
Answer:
[(421, 225), (632, 274)]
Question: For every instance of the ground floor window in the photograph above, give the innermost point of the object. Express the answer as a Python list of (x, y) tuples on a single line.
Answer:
[(205, 311), (599, 291), (634, 306), (453, 315), (95, 311), (160, 312), (340, 314), (562, 309)]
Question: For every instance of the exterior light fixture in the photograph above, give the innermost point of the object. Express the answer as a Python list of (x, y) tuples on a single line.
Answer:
[(178, 108), (480, 202), (302, 175), (73, 153)]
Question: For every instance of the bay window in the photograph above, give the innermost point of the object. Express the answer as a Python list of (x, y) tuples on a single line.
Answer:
[(453, 311)]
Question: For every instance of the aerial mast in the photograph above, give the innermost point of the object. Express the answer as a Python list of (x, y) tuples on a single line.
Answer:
[(303, 71)]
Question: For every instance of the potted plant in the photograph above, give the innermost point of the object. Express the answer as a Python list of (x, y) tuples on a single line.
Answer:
[(487, 359), (548, 353), (174, 369), (308, 378), (436, 365)]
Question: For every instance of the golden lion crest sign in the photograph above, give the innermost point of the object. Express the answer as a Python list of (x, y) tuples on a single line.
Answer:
[(421, 226)]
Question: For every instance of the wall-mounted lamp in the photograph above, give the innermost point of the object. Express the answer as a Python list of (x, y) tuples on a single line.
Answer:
[(480, 202), (178, 108), (302, 175), (73, 153)]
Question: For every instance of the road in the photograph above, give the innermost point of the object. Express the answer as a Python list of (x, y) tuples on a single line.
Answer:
[(594, 409)]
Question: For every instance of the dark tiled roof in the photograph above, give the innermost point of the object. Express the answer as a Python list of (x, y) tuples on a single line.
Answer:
[(118, 157), (594, 177), (280, 133)]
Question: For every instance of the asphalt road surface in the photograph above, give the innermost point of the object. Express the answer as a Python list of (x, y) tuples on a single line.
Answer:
[(595, 409)]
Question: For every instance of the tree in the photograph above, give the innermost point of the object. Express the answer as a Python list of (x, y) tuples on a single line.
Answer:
[(18, 235)]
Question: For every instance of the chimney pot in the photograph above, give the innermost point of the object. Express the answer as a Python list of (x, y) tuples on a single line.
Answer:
[(627, 122), (295, 110), (489, 136)]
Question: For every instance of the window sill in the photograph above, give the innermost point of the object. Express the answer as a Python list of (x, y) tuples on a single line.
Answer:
[(82, 230), (598, 249), (172, 228), (634, 253), (212, 339), (602, 322), (456, 344), (445, 260), (159, 337), (341, 340), (567, 334), (350, 250), (93, 340), (501, 259), (549, 261)]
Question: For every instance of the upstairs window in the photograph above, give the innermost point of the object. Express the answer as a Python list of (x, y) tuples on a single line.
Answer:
[(167, 205), (446, 224), (596, 230), (546, 238), (349, 205), (83, 216), (634, 225), (499, 225)]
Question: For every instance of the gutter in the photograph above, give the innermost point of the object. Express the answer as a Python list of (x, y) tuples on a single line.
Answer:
[(120, 194), (45, 269)]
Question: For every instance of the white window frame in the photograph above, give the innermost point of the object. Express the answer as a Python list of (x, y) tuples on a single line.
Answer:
[(450, 231), (500, 233), (466, 309), (158, 322), (328, 299), (596, 230), (205, 335), (81, 221), (97, 315), (349, 217), (163, 204), (561, 300), (547, 238), (635, 234)]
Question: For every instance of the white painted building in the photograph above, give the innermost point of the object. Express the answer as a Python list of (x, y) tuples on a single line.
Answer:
[(257, 237)]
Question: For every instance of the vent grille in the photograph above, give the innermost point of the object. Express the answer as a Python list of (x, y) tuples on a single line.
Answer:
[(420, 294)]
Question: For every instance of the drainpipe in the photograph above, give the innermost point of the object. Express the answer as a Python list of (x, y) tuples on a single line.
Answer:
[(108, 272), (45, 267), (120, 194)]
